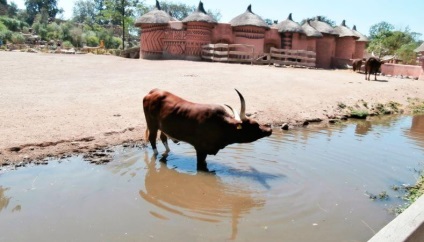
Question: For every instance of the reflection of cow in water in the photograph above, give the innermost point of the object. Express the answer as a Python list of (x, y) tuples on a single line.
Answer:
[(201, 197), (372, 66), (356, 65)]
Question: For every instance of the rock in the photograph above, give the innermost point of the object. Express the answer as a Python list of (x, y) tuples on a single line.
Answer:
[(285, 126), (15, 149)]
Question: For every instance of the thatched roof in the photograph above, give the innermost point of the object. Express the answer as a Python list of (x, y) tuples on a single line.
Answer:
[(322, 27), (290, 26), (156, 16), (343, 31), (420, 48), (362, 38), (199, 15), (248, 18), (310, 31)]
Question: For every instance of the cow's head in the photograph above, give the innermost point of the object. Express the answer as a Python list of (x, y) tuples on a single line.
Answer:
[(247, 130)]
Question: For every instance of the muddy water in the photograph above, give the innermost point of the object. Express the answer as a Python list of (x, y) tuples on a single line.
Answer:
[(301, 185)]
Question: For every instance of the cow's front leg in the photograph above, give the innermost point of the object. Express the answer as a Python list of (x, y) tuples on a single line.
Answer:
[(164, 139), (201, 161)]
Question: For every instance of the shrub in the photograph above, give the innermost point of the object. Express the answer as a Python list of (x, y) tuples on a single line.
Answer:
[(361, 114), (17, 38), (67, 44), (92, 41), (115, 43)]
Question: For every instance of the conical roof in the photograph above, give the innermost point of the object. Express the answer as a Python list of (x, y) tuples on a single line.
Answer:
[(248, 18), (199, 15), (310, 31), (322, 27), (362, 38), (420, 48), (289, 25), (156, 16), (343, 31)]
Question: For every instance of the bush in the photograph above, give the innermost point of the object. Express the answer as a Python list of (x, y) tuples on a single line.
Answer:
[(17, 38), (115, 43), (5, 35), (13, 24), (67, 45), (92, 41)]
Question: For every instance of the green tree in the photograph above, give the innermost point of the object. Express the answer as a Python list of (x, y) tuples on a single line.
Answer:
[(384, 40), (379, 29), (182, 10), (84, 11), (324, 19), (121, 12), (35, 7), (12, 9)]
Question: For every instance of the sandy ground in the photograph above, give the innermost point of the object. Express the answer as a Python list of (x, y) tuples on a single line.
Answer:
[(54, 105)]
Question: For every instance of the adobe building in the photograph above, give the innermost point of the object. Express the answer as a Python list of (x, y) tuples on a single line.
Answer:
[(292, 35), (361, 44), (164, 37), (345, 46)]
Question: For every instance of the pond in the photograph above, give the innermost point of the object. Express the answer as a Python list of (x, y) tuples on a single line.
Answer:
[(307, 184)]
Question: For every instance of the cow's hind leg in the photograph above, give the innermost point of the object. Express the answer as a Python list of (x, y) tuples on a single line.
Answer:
[(164, 139), (153, 133)]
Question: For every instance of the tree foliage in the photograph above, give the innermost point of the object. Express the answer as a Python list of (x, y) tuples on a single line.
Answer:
[(45, 7), (384, 40), (324, 19), (182, 10)]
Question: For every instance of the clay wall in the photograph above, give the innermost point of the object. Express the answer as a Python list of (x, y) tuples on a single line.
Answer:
[(198, 34), (299, 42), (359, 50), (404, 70), (151, 42), (174, 42), (345, 47), (222, 33), (325, 49), (250, 35), (272, 39)]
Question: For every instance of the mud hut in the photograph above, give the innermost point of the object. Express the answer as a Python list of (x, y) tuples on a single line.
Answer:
[(326, 46), (249, 29), (345, 46), (311, 36), (174, 39), (292, 34), (199, 27), (153, 26), (361, 44)]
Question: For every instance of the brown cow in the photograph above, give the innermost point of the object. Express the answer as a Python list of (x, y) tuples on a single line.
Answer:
[(356, 65), (207, 127), (372, 66)]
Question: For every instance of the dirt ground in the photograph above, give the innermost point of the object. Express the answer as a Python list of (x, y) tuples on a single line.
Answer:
[(55, 105)]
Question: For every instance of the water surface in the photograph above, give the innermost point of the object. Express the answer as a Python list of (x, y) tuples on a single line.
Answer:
[(301, 185)]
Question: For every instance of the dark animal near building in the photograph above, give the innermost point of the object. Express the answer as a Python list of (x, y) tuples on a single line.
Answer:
[(207, 127), (356, 65), (372, 66)]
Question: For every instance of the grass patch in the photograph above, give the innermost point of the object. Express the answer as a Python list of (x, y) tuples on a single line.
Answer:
[(416, 105), (360, 114), (412, 194)]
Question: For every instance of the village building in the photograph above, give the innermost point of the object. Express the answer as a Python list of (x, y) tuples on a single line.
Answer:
[(164, 37)]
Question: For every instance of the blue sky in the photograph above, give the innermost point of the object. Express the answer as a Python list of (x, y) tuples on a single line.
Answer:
[(362, 13)]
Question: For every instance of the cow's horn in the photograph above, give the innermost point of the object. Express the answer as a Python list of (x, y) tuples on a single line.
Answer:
[(236, 115), (243, 106)]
